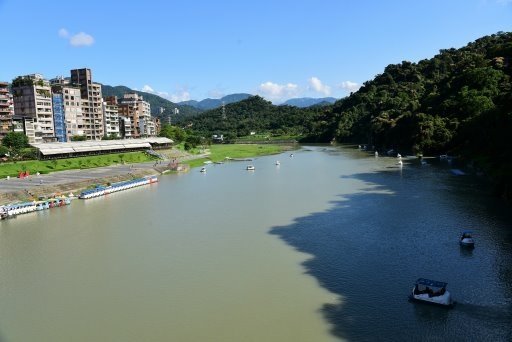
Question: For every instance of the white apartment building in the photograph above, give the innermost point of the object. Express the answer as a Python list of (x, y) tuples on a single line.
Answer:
[(92, 109), (71, 106), (110, 119), (32, 97)]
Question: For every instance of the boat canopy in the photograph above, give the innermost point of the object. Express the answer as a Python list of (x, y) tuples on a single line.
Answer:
[(431, 283)]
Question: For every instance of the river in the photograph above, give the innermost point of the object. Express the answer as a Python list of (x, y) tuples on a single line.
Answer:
[(325, 246)]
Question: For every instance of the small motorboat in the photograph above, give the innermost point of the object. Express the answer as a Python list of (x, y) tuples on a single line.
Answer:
[(203, 170), (291, 155), (431, 292), (466, 239), (250, 168), (278, 163)]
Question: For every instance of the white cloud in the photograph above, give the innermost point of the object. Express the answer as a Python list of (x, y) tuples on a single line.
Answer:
[(63, 33), (180, 96), (318, 86), (81, 39), (276, 91), (147, 89), (350, 86)]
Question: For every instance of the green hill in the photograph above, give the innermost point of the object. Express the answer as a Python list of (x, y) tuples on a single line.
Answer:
[(255, 115), (208, 104), (458, 102), (155, 101)]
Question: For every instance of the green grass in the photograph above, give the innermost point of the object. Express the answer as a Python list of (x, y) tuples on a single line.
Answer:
[(45, 166), (267, 137), (220, 152)]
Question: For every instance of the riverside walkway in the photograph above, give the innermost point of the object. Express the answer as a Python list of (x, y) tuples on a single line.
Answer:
[(16, 189)]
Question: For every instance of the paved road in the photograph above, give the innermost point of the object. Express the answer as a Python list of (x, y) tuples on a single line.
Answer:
[(70, 176)]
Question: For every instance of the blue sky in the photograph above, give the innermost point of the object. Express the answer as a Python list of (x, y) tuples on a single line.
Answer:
[(276, 48)]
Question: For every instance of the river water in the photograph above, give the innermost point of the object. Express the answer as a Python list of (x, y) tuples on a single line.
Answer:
[(324, 247)]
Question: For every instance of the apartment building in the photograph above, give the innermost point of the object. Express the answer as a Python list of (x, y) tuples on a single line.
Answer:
[(33, 106), (67, 109), (138, 111), (111, 117), (6, 110), (125, 127), (92, 108)]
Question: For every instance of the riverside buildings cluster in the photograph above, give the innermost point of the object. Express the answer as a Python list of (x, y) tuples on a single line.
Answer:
[(71, 108)]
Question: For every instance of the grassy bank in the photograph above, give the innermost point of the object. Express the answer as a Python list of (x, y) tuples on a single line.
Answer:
[(45, 166), (220, 152)]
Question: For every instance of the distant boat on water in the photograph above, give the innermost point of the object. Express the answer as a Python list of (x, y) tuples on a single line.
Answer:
[(250, 168)]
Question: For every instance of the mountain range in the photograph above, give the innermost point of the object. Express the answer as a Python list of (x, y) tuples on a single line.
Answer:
[(154, 100), (193, 108), (303, 102), (208, 104)]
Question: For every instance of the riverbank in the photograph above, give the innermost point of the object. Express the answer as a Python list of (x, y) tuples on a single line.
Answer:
[(74, 181)]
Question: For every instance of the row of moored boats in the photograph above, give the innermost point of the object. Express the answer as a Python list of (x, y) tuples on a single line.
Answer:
[(115, 187), (13, 210)]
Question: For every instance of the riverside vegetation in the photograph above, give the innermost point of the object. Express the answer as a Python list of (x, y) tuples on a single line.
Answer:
[(458, 102)]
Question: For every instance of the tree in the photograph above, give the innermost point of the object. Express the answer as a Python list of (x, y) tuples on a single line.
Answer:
[(3, 151), (15, 141), (175, 133), (78, 138)]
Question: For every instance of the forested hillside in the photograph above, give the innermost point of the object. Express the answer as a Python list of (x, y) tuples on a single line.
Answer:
[(155, 101), (256, 114), (458, 102)]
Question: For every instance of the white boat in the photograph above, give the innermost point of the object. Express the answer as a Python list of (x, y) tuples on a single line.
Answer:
[(203, 170), (466, 239), (278, 163), (432, 292), (250, 168), (291, 155)]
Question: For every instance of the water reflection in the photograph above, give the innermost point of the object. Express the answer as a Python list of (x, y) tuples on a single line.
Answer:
[(372, 244), (466, 252)]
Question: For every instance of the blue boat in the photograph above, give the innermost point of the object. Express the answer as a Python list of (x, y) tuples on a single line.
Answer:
[(466, 239), (431, 292)]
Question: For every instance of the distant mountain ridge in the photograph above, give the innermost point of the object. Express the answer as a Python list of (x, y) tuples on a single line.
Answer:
[(154, 100), (193, 108), (208, 104), (303, 102)]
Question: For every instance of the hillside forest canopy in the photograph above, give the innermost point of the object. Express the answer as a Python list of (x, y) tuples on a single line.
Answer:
[(459, 102)]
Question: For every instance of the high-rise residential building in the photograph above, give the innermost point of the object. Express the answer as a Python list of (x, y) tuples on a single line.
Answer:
[(125, 127), (67, 109), (91, 103), (138, 111), (6, 110), (32, 98), (111, 117)]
